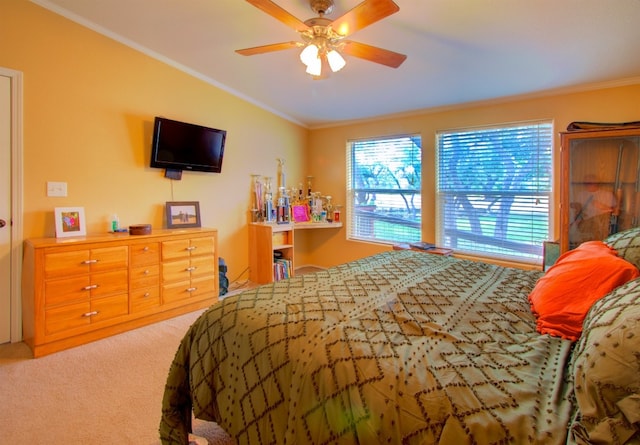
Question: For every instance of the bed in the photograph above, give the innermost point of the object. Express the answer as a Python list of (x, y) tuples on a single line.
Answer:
[(409, 348)]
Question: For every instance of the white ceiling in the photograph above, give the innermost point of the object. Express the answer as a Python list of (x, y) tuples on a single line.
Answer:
[(458, 51)]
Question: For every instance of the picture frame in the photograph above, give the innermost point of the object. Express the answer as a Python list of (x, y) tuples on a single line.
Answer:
[(183, 214), (301, 213), (70, 221)]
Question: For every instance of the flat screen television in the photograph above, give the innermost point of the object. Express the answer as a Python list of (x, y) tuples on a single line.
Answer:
[(183, 146)]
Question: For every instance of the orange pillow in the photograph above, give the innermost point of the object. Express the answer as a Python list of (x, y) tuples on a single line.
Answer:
[(562, 296)]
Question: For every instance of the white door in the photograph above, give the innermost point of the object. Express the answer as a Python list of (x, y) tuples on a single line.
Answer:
[(5, 209), (10, 204)]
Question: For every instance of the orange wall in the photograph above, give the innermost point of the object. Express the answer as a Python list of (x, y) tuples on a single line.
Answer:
[(327, 150), (89, 104)]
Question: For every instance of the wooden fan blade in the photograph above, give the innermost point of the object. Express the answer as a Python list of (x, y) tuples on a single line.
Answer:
[(364, 14), (373, 54), (279, 13), (268, 48)]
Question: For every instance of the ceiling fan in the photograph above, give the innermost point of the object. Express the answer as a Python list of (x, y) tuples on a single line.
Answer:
[(323, 39)]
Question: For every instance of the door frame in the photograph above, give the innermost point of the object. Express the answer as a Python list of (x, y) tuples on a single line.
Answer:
[(16, 200)]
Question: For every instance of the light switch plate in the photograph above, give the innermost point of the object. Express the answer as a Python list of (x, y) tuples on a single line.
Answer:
[(56, 188)]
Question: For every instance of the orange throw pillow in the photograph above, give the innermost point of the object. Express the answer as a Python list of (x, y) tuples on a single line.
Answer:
[(562, 297)]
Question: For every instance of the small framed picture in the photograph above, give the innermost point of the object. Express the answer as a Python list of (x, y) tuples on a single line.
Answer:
[(301, 213), (183, 214), (70, 221)]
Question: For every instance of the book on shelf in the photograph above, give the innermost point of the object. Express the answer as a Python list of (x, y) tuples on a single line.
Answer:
[(281, 268)]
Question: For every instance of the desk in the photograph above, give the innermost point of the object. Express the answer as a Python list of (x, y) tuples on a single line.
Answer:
[(265, 239)]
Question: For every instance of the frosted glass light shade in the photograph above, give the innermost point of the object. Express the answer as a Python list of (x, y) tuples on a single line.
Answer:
[(315, 67), (336, 62), (309, 54)]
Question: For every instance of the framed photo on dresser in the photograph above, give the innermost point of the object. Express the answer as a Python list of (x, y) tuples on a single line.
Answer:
[(183, 214), (70, 221)]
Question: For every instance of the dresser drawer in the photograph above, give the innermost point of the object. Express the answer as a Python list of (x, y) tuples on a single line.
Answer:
[(186, 248), (67, 317), (202, 266), (188, 290), (176, 271), (71, 316), (64, 291), (108, 283), (202, 246), (175, 291), (145, 276), (176, 249), (109, 258), (204, 285), (64, 264), (145, 298), (144, 254), (109, 307)]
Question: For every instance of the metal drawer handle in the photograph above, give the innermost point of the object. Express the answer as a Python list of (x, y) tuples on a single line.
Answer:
[(90, 314), (146, 272), (91, 286), (192, 247), (89, 261), (192, 289), (146, 294), (191, 269), (145, 248)]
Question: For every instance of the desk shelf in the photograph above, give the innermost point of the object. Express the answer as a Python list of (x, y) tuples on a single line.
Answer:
[(266, 239)]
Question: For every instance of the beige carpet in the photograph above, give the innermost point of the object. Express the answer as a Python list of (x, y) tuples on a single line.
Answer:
[(105, 392)]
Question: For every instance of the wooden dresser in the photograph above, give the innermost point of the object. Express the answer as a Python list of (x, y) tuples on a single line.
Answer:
[(77, 290)]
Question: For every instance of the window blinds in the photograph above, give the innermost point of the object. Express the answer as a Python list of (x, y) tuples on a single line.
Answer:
[(494, 190), (384, 183)]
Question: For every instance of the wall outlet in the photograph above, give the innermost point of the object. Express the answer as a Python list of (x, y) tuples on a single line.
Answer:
[(56, 188)]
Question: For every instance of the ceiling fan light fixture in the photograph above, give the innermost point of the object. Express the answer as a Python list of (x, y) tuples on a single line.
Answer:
[(336, 61), (315, 67), (309, 54), (323, 38)]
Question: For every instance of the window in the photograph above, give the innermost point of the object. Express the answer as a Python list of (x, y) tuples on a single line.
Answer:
[(383, 189), (494, 190)]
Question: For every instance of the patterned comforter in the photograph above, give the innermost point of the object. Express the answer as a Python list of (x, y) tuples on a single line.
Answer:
[(401, 347)]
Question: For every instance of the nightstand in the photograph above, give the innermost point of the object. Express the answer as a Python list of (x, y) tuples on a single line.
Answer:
[(435, 251)]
